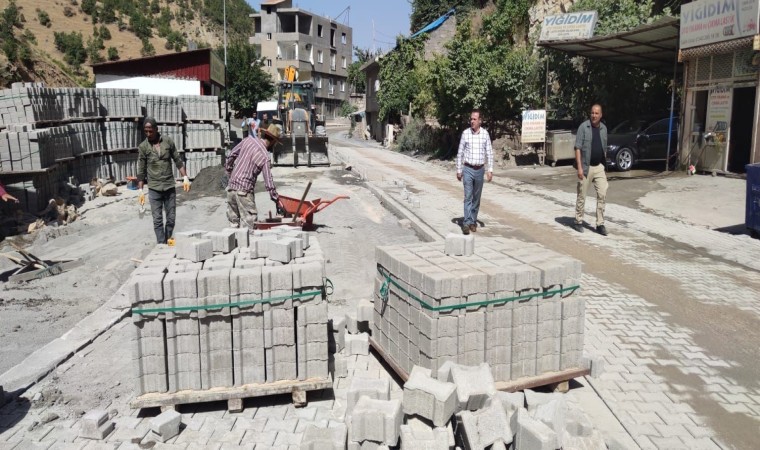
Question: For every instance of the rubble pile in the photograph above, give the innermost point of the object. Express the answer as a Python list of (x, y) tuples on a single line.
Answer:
[(223, 309)]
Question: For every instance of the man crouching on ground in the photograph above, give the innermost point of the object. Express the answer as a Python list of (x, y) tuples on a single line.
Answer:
[(244, 164)]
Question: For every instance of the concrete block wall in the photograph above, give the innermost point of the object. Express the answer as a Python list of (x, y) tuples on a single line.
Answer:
[(119, 102), (200, 107), (518, 338), (256, 342), (203, 135)]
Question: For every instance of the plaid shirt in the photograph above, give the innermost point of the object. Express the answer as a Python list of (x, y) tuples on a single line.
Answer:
[(475, 149), (244, 164)]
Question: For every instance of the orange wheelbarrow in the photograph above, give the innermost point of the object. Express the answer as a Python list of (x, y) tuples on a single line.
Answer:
[(305, 214)]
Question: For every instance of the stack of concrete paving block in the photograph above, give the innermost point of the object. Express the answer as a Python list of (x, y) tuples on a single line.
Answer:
[(123, 165), (464, 309), (120, 103), (163, 108), (89, 167), (86, 137), (21, 150), (203, 136), (33, 195), (119, 135), (96, 425), (32, 103), (270, 325), (173, 131), (200, 107), (374, 423)]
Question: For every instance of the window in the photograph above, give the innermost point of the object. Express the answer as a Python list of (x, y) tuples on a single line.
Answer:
[(319, 31), (344, 62), (377, 85), (343, 38), (343, 86), (332, 61), (319, 56), (269, 36), (269, 63), (330, 87), (318, 81), (332, 38)]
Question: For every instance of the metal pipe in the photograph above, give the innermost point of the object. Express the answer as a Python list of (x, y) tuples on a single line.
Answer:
[(670, 122)]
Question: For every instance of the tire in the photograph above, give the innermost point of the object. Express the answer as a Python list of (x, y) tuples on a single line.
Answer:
[(624, 159)]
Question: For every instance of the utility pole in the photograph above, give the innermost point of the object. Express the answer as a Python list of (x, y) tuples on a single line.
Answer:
[(226, 97)]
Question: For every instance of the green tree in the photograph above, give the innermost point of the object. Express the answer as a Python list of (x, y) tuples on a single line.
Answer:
[(399, 86), (94, 45), (113, 54), (147, 48), (356, 77), (140, 25), (104, 33), (88, 6), (44, 18), (72, 47), (247, 82)]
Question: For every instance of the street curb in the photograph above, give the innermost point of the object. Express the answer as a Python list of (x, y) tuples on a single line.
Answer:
[(39, 364), (420, 227)]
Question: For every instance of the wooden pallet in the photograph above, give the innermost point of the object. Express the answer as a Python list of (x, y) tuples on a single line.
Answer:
[(558, 381), (233, 395)]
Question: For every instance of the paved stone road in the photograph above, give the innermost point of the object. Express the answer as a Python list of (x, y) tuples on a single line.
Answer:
[(672, 309)]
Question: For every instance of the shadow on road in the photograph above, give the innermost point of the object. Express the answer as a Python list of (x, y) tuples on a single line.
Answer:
[(14, 410)]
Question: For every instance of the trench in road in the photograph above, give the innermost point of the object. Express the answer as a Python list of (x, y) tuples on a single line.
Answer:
[(724, 330)]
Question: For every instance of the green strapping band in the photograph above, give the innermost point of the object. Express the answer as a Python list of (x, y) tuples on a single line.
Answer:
[(385, 288), (245, 303)]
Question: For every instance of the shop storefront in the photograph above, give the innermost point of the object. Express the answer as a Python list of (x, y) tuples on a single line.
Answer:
[(721, 113)]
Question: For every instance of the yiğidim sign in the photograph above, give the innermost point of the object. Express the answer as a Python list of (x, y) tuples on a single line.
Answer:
[(709, 21), (568, 27), (533, 126)]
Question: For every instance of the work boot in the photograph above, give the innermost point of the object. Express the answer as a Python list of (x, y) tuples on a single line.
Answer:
[(578, 227), (465, 229), (601, 230), (473, 227)]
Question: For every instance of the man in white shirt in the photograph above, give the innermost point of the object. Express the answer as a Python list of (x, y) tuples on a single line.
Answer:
[(474, 160)]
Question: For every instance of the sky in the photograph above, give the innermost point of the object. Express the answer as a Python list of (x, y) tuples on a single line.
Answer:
[(391, 18)]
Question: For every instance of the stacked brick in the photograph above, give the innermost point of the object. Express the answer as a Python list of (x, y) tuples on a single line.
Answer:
[(197, 161), (32, 103), (163, 108), (120, 103), (233, 311), (173, 131), (196, 107), (510, 304), (122, 135), (203, 135)]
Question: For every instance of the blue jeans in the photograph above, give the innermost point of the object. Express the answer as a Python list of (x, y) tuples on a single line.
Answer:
[(160, 200), (472, 179)]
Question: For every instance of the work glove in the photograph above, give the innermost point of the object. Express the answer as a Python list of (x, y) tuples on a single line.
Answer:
[(141, 198), (186, 184)]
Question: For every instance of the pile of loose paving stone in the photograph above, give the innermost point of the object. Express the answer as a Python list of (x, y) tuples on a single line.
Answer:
[(226, 308)]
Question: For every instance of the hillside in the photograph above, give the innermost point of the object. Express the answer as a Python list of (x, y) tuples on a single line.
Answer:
[(199, 21)]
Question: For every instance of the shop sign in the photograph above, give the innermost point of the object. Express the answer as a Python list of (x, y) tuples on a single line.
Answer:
[(533, 126), (217, 69), (719, 112), (568, 27), (709, 21)]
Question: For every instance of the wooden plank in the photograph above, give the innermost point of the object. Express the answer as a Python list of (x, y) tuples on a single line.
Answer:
[(541, 380), (228, 393), (549, 378)]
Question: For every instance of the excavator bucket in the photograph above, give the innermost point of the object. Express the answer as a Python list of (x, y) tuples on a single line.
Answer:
[(301, 151)]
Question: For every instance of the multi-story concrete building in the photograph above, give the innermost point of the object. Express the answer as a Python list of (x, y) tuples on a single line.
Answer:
[(319, 48)]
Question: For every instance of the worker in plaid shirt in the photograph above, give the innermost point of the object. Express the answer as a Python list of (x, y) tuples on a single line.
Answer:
[(474, 160)]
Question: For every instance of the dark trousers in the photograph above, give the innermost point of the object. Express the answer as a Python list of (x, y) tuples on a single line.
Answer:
[(160, 201)]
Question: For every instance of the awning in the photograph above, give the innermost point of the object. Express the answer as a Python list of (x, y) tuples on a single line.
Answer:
[(652, 46)]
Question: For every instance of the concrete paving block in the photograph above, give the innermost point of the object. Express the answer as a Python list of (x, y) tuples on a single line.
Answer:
[(429, 398), (593, 362), (308, 275), (533, 399), (475, 385), (364, 310), (511, 401), (595, 441), (357, 344), (532, 434), (331, 438), (194, 249), (147, 288), (280, 251), (424, 438), (222, 241), (95, 425), (374, 388), (484, 427), (241, 236), (552, 414), (377, 421), (340, 366), (189, 234), (578, 424), (180, 285), (277, 278), (296, 245), (166, 425), (214, 285), (245, 284), (459, 244)]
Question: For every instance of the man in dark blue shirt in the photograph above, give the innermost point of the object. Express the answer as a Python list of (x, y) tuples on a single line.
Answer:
[(590, 145)]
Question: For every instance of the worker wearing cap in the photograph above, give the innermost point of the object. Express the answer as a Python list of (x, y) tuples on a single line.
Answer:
[(154, 165), (244, 164)]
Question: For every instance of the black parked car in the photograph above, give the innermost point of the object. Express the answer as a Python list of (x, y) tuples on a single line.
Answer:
[(641, 140)]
